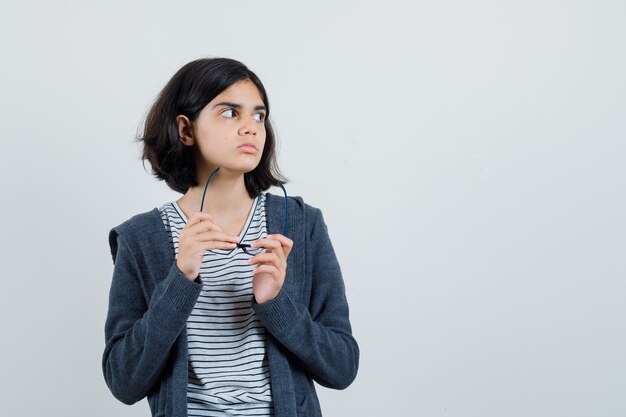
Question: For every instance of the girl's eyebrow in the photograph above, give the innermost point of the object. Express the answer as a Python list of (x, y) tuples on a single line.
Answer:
[(237, 106)]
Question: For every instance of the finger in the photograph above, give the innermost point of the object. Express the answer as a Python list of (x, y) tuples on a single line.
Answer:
[(198, 216), (270, 244), (267, 269), (216, 236), (267, 242), (204, 226), (286, 243), (263, 258), (215, 244)]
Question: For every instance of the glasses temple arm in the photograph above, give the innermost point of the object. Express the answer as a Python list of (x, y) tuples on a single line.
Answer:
[(207, 184), (286, 211), (280, 184)]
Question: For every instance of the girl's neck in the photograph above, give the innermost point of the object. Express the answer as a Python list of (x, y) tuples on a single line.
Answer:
[(226, 193)]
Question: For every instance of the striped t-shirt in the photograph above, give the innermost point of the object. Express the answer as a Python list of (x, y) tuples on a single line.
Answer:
[(228, 370)]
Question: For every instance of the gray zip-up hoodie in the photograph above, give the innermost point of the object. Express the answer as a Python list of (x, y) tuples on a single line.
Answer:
[(309, 336)]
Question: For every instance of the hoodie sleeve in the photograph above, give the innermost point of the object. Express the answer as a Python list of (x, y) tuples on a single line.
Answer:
[(140, 332), (320, 336)]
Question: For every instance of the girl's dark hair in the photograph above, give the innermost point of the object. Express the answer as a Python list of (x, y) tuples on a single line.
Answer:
[(192, 87)]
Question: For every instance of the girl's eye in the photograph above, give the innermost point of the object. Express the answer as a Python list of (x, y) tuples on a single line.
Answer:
[(227, 111), (261, 118)]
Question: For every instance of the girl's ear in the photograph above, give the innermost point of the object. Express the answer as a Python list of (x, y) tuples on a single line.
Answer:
[(183, 125)]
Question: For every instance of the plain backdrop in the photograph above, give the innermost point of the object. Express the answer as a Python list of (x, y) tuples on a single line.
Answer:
[(469, 159)]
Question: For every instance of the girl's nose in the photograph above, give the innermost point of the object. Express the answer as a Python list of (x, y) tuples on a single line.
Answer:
[(249, 127)]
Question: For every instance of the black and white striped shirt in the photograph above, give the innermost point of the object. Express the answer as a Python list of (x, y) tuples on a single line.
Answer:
[(228, 370)]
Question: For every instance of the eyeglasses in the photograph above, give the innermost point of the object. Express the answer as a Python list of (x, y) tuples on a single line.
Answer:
[(246, 246)]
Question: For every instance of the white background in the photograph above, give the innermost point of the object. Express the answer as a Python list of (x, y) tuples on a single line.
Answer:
[(468, 158)]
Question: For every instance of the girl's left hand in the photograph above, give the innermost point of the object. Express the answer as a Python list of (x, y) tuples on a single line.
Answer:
[(269, 275)]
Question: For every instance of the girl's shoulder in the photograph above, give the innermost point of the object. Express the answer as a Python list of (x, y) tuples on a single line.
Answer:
[(139, 222), (136, 229), (294, 203), (303, 219)]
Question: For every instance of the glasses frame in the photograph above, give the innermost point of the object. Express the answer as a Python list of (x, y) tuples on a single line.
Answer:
[(245, 246)]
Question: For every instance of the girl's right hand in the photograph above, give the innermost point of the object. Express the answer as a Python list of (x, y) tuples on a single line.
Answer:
[(199, 235)]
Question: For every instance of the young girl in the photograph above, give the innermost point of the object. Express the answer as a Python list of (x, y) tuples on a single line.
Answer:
[(228, 301)]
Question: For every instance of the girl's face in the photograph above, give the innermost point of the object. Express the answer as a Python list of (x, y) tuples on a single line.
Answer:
[(229, 131)]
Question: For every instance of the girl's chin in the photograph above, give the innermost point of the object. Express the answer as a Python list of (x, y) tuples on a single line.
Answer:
[(236, 169)]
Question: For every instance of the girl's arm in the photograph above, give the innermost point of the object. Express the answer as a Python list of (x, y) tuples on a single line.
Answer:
[(139, 336), (320, 336)]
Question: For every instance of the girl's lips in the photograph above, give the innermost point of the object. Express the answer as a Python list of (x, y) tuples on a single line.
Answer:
[(247, 149)]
